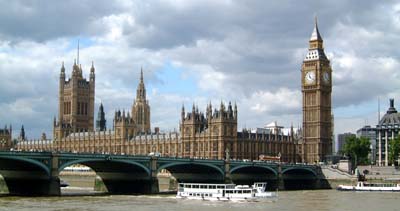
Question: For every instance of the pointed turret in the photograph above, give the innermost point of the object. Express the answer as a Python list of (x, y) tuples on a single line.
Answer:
[(235, 111), (141, 75), (22, 133), (92, 68), (141, 89), (75, 69), (315, 34), (62, 74), (62, 68), (183, 112), (101, 120)]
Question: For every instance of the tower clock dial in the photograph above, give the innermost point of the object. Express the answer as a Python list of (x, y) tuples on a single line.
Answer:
[(326, 77), (310, 77)]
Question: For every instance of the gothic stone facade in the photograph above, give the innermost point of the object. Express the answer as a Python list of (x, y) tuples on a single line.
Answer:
[(208, 137), (211, 135)]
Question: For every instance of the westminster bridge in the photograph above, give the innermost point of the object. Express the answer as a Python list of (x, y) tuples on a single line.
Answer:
[(37, 173)]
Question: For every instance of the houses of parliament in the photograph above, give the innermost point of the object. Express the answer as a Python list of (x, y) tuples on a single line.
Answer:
[(208, 134)]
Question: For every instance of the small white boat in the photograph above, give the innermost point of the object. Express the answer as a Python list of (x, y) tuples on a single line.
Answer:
[(224, 192), (364, 186)]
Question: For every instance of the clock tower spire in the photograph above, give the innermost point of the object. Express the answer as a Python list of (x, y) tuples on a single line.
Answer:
[(317, 106)]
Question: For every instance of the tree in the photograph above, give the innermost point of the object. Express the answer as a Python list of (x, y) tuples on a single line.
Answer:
[(394, 149), (357, 149)]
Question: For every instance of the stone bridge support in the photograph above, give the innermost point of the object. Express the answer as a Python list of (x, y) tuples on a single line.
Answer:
[(227, 175), (153, 184)]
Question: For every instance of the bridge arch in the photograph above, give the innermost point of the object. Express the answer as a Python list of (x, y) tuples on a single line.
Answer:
[(248, 174), (116, 175), (35, 163), (28, 176), (299, 169), (263, 167), (94, 160), (299, 178), (166, 166), (194, 172)]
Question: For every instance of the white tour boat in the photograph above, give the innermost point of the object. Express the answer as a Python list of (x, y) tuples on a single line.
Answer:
[(224, 192), (364, 186)]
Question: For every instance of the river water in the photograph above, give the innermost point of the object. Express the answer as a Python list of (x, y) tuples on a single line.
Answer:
[(287, 200)]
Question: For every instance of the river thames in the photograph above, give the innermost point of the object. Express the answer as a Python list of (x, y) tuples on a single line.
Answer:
[(287, 200)]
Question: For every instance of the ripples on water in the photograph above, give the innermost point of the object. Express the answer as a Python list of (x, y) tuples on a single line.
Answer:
[(293, 200)]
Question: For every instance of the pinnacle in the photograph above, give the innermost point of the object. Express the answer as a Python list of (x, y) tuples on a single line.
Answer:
[(315, 35)]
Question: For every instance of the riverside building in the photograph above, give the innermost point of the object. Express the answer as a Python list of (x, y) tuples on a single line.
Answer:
[(210, 134), (387, 129)]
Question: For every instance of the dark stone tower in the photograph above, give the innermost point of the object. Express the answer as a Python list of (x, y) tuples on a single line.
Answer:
[(101, 120), (22, 133)]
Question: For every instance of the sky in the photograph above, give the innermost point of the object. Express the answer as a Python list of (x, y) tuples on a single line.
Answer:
[(196, 52)]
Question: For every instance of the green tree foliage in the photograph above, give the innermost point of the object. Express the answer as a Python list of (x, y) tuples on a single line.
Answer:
[(394, 150), (357, 149)]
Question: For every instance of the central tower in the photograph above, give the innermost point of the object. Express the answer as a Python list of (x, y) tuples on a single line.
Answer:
[(141, 108), (316, 81)]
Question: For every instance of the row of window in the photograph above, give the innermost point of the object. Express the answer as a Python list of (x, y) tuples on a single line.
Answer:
[(198, 186), (82, 108), (237, 191), (201, 194)]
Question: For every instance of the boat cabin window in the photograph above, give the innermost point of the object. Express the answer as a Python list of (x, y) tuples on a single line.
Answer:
[(195, 186), (203, 186)]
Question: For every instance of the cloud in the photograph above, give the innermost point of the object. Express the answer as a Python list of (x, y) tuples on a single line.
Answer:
[(246, 52)]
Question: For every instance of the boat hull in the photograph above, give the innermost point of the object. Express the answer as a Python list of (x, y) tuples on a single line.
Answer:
[(251, 199), (368, 189)]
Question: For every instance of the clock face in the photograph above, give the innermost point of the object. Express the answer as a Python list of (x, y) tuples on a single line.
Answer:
[(310, 77), (326, 77)]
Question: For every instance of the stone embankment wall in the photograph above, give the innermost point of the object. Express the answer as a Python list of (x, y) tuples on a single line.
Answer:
[(375, 174)]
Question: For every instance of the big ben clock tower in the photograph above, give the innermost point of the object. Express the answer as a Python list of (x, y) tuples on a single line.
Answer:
[(316, 83)]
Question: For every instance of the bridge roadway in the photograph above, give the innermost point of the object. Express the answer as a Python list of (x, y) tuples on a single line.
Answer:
[(37, 173)]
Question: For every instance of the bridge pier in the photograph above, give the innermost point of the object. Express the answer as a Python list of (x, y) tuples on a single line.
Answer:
[(227, 173), (154, 186), (281, 182)]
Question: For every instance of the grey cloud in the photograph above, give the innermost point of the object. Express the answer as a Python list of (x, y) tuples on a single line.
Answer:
[(43, 20), (252, 43)]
